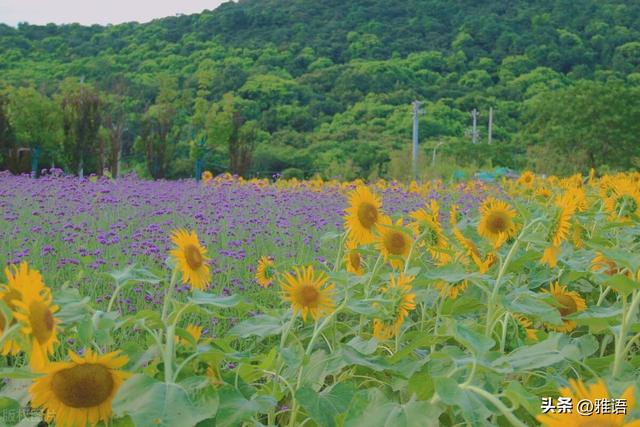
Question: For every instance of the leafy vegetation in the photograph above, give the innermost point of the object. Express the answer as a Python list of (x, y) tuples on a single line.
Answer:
[(325, 87)]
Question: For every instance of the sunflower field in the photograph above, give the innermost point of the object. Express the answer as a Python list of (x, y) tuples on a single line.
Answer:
[(232, 302)]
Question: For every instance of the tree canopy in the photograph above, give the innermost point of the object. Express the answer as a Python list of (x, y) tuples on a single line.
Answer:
[(325, 87)]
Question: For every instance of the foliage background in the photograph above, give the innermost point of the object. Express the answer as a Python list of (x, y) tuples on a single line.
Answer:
[(325, 87)]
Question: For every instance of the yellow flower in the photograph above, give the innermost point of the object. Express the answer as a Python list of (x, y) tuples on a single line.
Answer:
[(353, 259), (195, 331), (81, 391), (393, 243), (265, 271), (191, 259), (34, 311), (428, 223), (472, 251), (451, 290), (578, 391), (578, 234), (624, 201), (402, 299), (527, 179), (453, 215), (550, 256), (307, 294), (207, 176), (213, 377), (363, 215), (10, 293), (543, 192), (497, 221), (606, 265), (525, 322), (569, 302)]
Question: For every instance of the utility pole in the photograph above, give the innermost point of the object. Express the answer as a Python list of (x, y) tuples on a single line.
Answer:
[(474, 130), (490, 124), (414, 154)]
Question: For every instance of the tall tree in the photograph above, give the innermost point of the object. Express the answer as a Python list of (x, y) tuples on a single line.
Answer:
[(599, 121), (154, 141), (7, 136), (36, 120), (114, 123), (228, 128), (82, 108)]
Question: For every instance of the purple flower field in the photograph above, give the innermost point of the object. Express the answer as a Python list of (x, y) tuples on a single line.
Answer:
[(75, 230)]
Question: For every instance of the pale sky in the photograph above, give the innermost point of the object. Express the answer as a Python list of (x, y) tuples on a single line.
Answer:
[(103, 12)]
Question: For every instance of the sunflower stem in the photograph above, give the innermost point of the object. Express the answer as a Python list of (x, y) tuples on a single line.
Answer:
[(505, 324), (285, 334), (497, 403), (170, 335), (169, 294), (621, 347), (366, 288), (340, 248), (503, 268), (168, 353)]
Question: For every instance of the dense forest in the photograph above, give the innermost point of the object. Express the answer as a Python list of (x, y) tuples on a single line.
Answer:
[(303, 87)]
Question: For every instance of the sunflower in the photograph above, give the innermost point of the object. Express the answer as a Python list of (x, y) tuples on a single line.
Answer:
[(195, 331), (527, 180), (206, 176), (454, 215), (543, 192), (550, 256), (594, 393), (363, 215), (213, 377), (428, 223), (570, 302), (578, 198), (578, 234), (307, 294), (472, 251), (600, 263), (265, 272), (393, 243), (10, 293), (485, 265), (80, 391), (496, 223), (624, 201), (402, 299), (191, 258), (559, 229), (353, 259), (451, 290), (526, 323), (34, 311)]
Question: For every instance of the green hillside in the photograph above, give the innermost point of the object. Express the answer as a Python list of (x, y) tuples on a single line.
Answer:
[(326, 87)]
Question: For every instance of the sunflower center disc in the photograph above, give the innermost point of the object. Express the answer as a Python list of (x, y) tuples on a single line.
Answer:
[(568, 305), (497, 223), (354, 259), (395, 243), (309, 296), (193, 257), (367, 215), (83, 386), (41, 320)]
